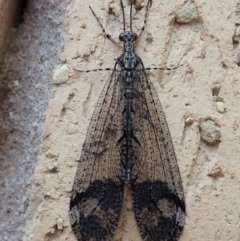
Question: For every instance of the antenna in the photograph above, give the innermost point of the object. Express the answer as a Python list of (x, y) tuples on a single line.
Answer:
[(131, 17), (123, 14)]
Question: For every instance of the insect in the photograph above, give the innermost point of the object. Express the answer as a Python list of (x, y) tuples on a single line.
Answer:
[(128, 144)]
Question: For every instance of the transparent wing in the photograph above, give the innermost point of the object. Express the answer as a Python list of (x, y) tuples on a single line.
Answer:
[(97, 190), (157, 192)]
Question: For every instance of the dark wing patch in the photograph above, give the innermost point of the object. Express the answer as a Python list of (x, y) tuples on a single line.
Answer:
[(97, 190), (96, 211), (157, 193), (159, 213)]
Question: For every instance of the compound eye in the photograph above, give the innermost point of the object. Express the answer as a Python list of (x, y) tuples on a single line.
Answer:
[(135, 36), (121, 37)]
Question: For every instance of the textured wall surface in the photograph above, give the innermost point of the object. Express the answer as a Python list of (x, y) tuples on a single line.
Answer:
[(7, 10), (200, 99), (26, 74)]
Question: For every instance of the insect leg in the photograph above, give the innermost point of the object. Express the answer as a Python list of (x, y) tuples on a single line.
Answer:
[(94, 70), (149, 4), (108, 36)]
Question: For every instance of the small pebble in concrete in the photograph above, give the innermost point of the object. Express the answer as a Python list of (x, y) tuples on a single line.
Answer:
[(210, 132), (60, 75), (236, 36), (220, 106), (189, 121), (60, 223), (188, 13), (238, 59), (216, 173)]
